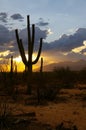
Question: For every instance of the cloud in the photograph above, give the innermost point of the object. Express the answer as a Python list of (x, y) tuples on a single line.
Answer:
[(42, 22), (8, 40), (5, 35), (66, 47), (49, 31), (38, 34), (68, 42), (17, 17), (80, 49), (3, 17)]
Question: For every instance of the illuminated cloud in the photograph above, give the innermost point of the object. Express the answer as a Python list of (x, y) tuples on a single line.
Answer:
[(67, 43), (49, 31), (4, 53), (79, 49)]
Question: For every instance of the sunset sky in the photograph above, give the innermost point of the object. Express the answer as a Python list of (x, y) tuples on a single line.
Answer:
[(61, 23)]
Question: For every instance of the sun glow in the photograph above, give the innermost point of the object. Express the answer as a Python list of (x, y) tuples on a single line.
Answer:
[(20, 64), (18, 59), (49, 31)]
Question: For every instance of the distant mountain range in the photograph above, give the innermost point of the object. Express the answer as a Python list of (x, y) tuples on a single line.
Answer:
[(78, 65)]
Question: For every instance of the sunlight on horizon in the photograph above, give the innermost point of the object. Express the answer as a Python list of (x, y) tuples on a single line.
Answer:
[(19, 59), (20, 64)]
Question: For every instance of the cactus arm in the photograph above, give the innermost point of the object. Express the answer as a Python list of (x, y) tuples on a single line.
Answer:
[(39, 52), (21, 48), (22, 52), (33, 37), (29, 39)]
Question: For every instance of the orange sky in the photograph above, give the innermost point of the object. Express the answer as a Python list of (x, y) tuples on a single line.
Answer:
[(5, 66)]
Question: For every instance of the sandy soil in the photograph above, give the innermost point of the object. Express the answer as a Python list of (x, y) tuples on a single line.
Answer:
[(72, 109)]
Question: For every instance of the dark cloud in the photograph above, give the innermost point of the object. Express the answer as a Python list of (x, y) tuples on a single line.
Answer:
[(8, 40), (55, 49), (69, 42), (3, 17), (38, 34), (61, 49), (17, 17), (42, 22), (5, 35)]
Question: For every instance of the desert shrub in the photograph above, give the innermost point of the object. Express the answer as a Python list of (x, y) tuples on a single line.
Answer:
[(66, 125), (5, 116), (82, 75), (48, 93), (65, 76)]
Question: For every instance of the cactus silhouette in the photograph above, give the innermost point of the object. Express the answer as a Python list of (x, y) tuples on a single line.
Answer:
[(28, 62), (31, 38), (11, 65), (41, 67)]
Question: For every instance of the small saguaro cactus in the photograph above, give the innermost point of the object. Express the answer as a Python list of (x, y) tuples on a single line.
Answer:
[(28, 62), (31, 38), (41, 67), (11, 65)]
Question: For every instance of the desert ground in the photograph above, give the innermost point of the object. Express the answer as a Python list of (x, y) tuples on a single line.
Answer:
[(65, 111)]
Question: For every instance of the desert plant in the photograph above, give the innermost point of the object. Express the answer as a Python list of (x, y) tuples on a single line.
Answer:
[(15, 68), (41, 67), (47, 93), (65, 76), (5, 116), (41, 81), (11, 65), (11, 70), (29, 63)]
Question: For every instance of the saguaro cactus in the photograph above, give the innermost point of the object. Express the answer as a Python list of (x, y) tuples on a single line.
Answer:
[(31, 39), (41, 67), (11, 65)]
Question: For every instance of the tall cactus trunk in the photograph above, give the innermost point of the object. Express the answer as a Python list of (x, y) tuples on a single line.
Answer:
[(30, 69), (29, 82), (31, 38)]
